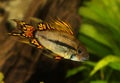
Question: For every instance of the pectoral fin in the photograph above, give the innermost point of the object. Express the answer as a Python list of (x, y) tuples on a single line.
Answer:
[(57, 57)]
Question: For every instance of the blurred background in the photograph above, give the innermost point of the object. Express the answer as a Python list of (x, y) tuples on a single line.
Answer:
[(96, 25)]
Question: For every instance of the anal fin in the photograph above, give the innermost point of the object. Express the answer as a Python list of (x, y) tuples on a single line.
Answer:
[(35, 42)]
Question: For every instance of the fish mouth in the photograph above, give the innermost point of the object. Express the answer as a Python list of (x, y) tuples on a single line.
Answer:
[(80, 59), (84, 58)]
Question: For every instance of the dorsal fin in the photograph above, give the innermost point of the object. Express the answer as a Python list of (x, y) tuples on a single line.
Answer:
[(56, 25)]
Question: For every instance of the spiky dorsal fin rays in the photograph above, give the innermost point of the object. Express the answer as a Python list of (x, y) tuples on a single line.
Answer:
[(53, 24), (62, 26), (26, 30), (57, 25)]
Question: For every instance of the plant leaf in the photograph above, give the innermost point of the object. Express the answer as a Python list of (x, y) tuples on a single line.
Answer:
[(92, 32), (99, 81), (115, 65), (104, 62), (75, 71), (1, 76), (96, 47)]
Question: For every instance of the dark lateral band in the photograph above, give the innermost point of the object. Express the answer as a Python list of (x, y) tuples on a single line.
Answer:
[(59, 43)]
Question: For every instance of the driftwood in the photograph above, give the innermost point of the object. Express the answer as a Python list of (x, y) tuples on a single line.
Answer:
[(22, 63)]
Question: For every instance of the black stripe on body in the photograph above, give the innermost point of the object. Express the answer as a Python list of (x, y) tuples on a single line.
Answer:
[(59, 43)]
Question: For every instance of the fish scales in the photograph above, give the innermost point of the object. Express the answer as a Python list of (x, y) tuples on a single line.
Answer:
[(55, 41), (56, 36)]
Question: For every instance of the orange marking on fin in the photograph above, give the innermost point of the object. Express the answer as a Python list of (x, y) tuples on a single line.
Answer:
[(14, 34), (35, 42), (57, 25), (41, 27), (28, 31), (58, 57)]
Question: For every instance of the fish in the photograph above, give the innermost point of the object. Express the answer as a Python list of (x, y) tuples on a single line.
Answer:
[(56, 36)]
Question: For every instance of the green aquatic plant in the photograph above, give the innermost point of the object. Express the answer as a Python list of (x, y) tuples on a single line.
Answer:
[(101, 26), (100, 33), (1, 77)]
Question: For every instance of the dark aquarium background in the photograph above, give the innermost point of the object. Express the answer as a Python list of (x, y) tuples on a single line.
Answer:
[(94, 22)]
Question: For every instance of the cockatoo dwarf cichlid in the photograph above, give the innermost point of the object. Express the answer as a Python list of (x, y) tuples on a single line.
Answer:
[(56, 36)]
